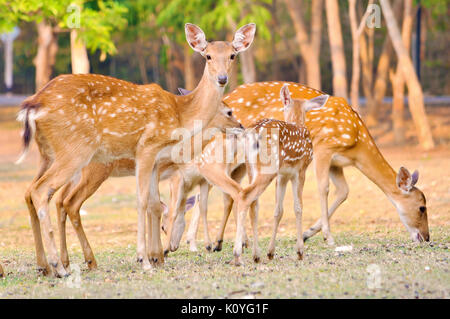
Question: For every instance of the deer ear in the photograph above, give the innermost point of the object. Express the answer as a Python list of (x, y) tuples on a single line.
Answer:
[(414, 177), (315, 103), (183, 91), (195, 37), (285, 96), (243, 37), (190, 202), (404, 180)]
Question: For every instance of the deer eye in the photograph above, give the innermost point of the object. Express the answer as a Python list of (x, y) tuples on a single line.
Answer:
[(232, 56), (229, 113), (208, 57), (422, 209)]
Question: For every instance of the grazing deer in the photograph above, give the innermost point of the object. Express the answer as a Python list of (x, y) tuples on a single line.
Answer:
[(83, 118), (340, 139), (290, 144), (72, 195)]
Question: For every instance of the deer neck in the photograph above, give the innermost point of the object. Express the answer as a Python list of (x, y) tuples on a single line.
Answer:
[(377, 169), (296, 117), (201, 105)]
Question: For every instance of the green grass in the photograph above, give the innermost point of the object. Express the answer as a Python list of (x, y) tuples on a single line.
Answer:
[(407, 270)]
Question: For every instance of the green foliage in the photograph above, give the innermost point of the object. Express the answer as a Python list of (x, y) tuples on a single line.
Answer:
[(99, 24), (98, 18), (438, 9), (213, 16)]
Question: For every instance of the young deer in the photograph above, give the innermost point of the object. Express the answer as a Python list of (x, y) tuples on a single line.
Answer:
[(78, 119), (340, 139), (213, 167), (290, 143), (72, 195)]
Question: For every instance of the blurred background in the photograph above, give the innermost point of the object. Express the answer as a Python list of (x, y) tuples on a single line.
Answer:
[(143, 41)]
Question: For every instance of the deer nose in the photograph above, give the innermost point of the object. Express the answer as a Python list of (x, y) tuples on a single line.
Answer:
[(241, 126), (222, 79), (427, 237)]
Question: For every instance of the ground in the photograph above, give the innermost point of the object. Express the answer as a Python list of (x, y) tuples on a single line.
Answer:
[(383, 263)]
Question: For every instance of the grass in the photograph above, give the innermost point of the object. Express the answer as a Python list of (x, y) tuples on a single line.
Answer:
[(407, 270), (367, 221)]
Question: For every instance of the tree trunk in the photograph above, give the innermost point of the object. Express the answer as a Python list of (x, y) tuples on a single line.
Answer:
[(336, 49), (248, 66), (367, 57), (233, 83), (415, 93), (274, 68), (357, 30), (380, 86), (170, 74), (189, 74), (398, 81), (141, 61), (46, 54), (309, 46), (79, 56)]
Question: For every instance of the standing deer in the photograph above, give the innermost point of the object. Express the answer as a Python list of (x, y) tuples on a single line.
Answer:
[(339, 139), (290, 143), (83, 118), (72, 195)]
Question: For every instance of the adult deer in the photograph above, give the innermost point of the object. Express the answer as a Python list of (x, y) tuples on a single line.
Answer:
[(289, 148), (340, 139), (78, 119), (72, 195)]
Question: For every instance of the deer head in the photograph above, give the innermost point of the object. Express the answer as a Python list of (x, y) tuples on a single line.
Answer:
[(295, 109), (219, 55), (411, 205)]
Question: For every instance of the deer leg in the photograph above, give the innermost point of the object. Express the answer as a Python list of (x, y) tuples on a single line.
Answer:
[(62, 217), (174, 186), (338, 179), (144, 168), (237, 174), (297, 190), (92, 176), (254, 220), (41, 260), (280, 192), (246, 198), (193, 227), (152, 198), (203, 208), (322, 168), (59, 173), (227, 206), (176, 220)]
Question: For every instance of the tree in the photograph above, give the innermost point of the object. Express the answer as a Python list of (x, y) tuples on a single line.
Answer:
[(397, 79), (375, 94), (214, 16), (97, 20), (415, 93), (309, 46), (337, 49), (356, 35)]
